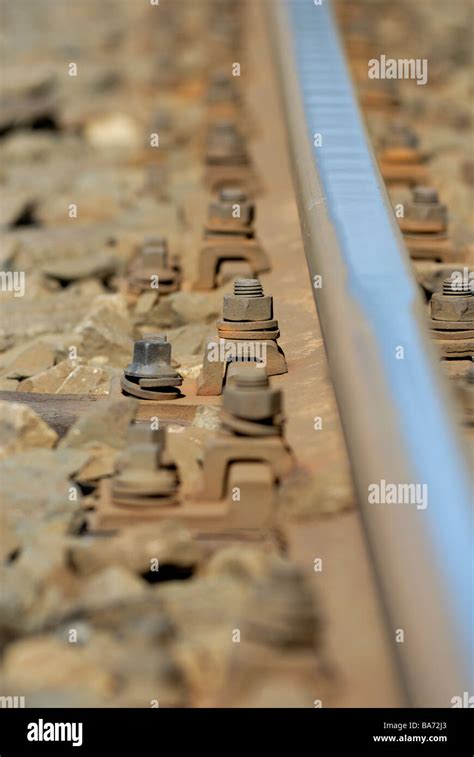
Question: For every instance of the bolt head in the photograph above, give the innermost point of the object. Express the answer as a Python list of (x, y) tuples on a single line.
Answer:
[(425, 195), (224, 140), (400, 135), (154, 251), (150, 356), (222, 213), (221, 88), (425, 206), (155, 257), (232, 195)]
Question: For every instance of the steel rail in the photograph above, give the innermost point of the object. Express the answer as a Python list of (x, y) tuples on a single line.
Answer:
[(395, 408)]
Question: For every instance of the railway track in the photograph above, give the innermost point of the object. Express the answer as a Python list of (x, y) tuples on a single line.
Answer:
[(206, 502)]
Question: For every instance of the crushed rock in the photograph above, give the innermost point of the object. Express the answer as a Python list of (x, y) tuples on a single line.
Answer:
[(43, 662), (185, 308), (113, 585), (106, 423), (113, 130), (35, 358), (38, 587), (101, 432), (134, 549), (86, 379), (22, 429), (188, 340), (53, 313), (51, 380), (100, 264), (190, 366), (106, 331), (36, 487), (73, 377), (208, 417)]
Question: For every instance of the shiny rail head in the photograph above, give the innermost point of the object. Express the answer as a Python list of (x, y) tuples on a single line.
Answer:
[(396, 412)]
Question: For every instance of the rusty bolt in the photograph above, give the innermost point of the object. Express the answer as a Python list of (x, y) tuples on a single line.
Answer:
[(249, 395), (400, 135), (141, 472), (221, 88), (151, 359), (224, 140), (425, 206), (454, 303), (232, 194), (453, 288), (144, 448), (155, 252), (426, 195), (232, 209), (248, 302)]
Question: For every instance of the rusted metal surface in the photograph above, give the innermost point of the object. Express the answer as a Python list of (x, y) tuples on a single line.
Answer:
[(401, 161), (145, 481), (150, 375), (425, 227), (229, 234), (452, 319), (252, 426), (425, 213), (153, 266), (227, 160), (247, 333)]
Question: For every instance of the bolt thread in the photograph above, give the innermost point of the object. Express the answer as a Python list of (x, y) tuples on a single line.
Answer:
[(232, 194), (453, 288), (425, 195), (248, 288)]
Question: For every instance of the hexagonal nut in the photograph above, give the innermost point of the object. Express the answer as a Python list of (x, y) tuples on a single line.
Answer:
[(237, 214), (400, 135), (452, 308), (421, 211), (252, 404), (154, 259), (247, 308)]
